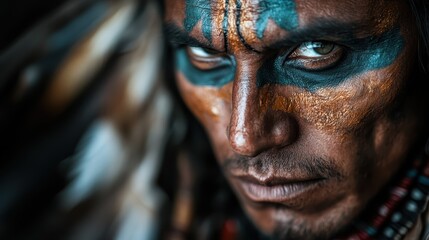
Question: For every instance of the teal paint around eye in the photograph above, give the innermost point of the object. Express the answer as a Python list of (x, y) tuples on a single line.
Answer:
[(199, 10), (216, 77), (367, 54), (282, 12)]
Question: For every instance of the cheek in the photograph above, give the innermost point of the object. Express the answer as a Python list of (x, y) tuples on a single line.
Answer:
[(346, 107), (211, 105), (364, 97)]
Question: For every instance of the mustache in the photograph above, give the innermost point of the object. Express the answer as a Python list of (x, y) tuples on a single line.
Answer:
[(323, 167)]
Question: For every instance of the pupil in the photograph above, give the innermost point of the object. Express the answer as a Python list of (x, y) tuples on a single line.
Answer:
[(323, 48)]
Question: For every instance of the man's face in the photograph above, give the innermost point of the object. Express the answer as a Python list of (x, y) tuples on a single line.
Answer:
[(311, 106)]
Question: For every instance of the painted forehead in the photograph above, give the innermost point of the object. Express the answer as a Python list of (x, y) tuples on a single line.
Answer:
[(264, 21), (282, 12), (373, 39)]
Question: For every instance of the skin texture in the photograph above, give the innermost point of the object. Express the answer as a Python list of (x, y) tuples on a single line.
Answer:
[(276, 118), (283, 13), (195, 14)]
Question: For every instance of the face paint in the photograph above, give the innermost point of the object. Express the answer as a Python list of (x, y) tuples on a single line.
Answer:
[(371, 53), (237, 25), (199, 10), (222, 74), (225, 24), (352, 125), (282, 12)]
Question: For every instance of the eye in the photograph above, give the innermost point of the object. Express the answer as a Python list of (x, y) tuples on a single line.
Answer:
[(201, 52), (315, 49), (206, 59), (316, 55)]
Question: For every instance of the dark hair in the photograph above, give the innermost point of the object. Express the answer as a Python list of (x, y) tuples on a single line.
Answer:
[(420, 10)]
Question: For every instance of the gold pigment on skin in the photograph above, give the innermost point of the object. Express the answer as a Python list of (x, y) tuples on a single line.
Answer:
[(332, 108), (205, 99), (329, 108)]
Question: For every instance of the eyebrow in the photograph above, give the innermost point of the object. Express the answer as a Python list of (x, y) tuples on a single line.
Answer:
[(320, 29), (178, 37), (328, 29)]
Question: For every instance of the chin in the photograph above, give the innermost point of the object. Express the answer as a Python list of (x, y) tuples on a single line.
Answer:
[(280, 222)]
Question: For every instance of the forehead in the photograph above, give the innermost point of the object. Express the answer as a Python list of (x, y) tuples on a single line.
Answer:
[(263, 21), (306, 9)]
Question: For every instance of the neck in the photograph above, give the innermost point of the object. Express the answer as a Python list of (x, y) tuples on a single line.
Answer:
[(396, 211)]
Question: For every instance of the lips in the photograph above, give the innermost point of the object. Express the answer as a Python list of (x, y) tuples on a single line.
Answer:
[(277, 190), (288, 179)]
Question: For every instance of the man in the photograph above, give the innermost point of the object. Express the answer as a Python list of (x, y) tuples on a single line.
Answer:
[(316, 110)]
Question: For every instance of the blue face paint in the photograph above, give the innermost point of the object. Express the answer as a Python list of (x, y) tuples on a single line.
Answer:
[(222, 74), (225, 25), (282, 12), (367, 54), (199, 10)]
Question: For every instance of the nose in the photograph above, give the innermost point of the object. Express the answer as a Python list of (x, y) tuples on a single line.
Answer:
[(252, 129)]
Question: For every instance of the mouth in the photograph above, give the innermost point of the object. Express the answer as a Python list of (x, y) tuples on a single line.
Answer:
[(278, 190)]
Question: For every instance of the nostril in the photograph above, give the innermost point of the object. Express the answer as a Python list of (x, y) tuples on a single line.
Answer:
[(281, 129), (276, 130), (283, 134)]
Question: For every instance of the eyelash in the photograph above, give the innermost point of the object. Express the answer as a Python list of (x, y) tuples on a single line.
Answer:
[(207, 63), (304, 63), (316, 63)]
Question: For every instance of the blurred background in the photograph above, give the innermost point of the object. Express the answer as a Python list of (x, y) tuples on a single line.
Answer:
[(84, 119)]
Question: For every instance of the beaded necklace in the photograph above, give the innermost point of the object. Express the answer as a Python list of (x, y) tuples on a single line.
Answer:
[(405, 202), (393, 218)]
